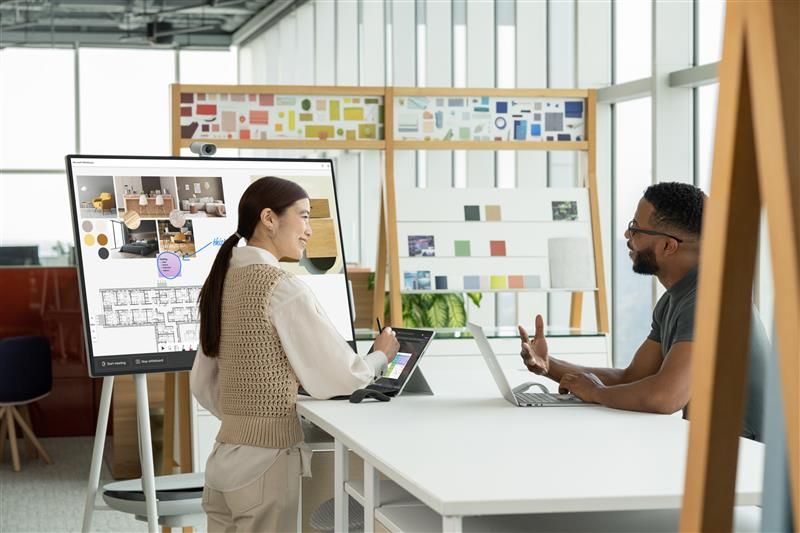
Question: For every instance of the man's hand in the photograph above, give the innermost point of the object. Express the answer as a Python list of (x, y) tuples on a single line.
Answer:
[(534, 354), (584, 385)]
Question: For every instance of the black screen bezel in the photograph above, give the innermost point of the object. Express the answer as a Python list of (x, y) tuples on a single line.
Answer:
[(183, 360)]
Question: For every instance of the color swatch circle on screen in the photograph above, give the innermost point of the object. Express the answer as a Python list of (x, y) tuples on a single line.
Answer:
[(87, 225), (100, 225), (102, 239), (88, 239), (103, 253)]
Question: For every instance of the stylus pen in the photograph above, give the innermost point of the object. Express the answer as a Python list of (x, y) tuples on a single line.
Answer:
[(380, 328)]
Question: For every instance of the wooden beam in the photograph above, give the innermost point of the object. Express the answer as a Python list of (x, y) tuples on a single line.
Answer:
[(175, 119), (288, 144), (727, 259), (491, 145), (379, 287), (299, 90), (488, 91), (390, 212), (774, 55), (600, 297)]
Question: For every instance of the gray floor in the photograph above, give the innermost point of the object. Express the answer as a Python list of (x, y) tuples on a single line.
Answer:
[(50, 498)]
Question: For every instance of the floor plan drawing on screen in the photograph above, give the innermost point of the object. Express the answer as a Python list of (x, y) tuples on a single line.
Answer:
[(171, 311)]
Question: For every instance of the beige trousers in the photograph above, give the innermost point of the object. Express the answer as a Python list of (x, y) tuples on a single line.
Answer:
[(267, 505)]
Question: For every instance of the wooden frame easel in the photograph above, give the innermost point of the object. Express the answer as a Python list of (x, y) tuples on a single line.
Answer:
[(388, 247), (756, 162)]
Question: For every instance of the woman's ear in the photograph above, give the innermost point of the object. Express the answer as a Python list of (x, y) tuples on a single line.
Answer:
[(267, 216)]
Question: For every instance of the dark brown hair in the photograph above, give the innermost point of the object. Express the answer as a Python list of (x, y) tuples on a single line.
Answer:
[(268, 192)]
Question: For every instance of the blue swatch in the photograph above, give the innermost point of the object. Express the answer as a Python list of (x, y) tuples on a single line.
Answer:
[(563, 137), (573, 109), (501, 107), (536, 130), (472, 282), (520, 130), (441, 282)]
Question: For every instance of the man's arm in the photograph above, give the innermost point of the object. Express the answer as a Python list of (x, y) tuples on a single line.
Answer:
[(645, 362), (665, 391)]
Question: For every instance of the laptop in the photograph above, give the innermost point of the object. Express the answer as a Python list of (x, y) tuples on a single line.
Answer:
[(517, 395), (402, 373)]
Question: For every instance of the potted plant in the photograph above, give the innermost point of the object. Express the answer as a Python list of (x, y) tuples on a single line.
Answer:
[(434, 309)]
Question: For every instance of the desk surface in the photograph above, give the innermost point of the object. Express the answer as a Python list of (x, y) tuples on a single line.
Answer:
[(466, 451)]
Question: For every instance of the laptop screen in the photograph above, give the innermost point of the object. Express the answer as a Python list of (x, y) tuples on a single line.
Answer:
[(413, 343)]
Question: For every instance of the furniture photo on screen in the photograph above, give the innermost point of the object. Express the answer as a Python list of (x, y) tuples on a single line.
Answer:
[(179, 240), (138, 243), (96, 197), (148, 196), (201, 196)]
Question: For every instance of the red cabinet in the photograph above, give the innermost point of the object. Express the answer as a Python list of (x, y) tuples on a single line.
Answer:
[(45, 301)]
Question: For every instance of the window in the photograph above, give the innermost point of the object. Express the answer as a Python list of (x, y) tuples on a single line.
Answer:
[(125, 101), (633, 31), (206, 67), (633, 301), (37, 103), (710, 23), (706, 122)]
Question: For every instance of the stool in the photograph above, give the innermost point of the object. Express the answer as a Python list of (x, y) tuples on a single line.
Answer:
[(25, 376)]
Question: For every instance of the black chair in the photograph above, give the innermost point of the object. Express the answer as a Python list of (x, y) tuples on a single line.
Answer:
[(25, 376)]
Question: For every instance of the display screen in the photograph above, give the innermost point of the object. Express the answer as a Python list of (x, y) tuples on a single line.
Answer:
[(413, 343), (147, 230)]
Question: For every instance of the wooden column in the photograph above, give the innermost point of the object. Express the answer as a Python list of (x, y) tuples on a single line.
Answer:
[(755, 158), (390, 212)]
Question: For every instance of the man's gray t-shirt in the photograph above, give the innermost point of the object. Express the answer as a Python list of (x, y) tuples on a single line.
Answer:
[(673, 321)]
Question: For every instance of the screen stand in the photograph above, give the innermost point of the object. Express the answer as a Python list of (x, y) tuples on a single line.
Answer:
[(417, 384), (145, 453)]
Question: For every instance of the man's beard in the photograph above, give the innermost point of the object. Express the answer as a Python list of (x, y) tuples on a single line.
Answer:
[(644, 262)]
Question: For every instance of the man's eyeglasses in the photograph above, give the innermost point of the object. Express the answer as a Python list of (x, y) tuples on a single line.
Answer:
[(633, 229)]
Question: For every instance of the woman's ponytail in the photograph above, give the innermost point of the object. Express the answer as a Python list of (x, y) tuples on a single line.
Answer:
[(211, 297)]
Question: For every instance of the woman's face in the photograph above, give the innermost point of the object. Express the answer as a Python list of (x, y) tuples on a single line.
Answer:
[(293, 229)]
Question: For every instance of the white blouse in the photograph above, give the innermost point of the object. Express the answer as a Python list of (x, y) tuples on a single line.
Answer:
[(323, 362)]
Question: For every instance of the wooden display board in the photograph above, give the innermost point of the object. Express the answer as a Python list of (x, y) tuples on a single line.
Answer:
[(756, 164), (363, 118)]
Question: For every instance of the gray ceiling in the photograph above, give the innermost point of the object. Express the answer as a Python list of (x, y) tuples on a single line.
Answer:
[(133, 23)]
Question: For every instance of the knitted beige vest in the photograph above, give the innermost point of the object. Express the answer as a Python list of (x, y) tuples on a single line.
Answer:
[(257, 386)]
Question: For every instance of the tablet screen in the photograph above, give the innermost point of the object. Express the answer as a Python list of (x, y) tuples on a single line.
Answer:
[(413, 343)]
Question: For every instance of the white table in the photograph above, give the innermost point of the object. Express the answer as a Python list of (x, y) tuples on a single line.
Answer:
[(466, 451)]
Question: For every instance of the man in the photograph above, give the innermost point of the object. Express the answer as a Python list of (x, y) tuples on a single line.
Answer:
[(664, 241)]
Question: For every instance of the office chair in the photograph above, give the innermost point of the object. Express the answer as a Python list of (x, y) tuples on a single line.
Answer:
[(25, 376)]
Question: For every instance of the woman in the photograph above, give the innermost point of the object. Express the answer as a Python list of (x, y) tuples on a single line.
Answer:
[(263, 333)]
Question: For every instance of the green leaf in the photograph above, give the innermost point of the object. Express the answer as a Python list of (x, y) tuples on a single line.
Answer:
[(371, 281), (457, 317), (437, 312), (476, 298)]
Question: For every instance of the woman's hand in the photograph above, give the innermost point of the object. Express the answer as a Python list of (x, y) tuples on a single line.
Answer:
[(387, 343)]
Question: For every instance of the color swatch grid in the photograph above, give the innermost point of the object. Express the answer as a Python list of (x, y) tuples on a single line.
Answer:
[(489, 118), (281, 116), (420, 280)]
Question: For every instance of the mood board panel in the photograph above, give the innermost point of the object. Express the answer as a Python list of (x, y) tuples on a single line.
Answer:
[(493, 205), (269, 116), (488, 118)]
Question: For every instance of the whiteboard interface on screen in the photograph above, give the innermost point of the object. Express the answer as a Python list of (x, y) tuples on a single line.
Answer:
[(147, 230)]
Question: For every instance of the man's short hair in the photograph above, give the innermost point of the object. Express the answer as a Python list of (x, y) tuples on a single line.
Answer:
[(677, 205)]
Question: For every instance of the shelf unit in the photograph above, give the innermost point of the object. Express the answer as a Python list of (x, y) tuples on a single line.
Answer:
[(423, 101)]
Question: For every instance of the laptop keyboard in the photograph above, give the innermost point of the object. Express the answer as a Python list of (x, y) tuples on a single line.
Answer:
[(536, 397)]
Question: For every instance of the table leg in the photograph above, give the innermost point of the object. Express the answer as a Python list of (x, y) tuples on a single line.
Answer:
[(452, 524), (341, 468), (372, 496)]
